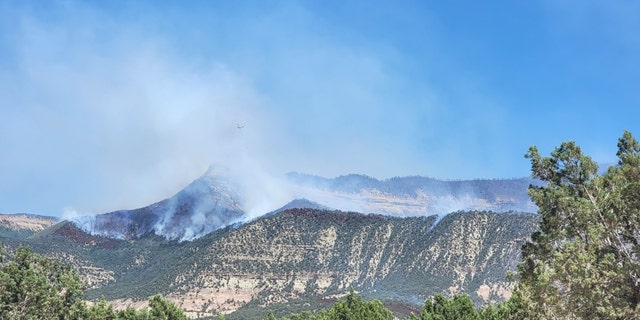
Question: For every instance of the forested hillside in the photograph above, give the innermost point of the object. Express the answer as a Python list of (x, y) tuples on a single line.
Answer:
[(301, 254)]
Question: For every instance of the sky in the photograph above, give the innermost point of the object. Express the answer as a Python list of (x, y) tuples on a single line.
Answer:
[(108, 105)]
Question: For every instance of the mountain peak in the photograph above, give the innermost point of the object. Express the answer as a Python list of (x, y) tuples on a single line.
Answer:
[(208, 203), (217, 199), (300, 203)]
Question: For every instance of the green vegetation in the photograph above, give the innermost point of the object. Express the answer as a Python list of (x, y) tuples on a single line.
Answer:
[(38, 287), (352, 307), (460, 307), (438, 307), (585, 260)]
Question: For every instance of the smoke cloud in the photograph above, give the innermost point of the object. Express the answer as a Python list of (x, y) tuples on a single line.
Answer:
[(114, 106), (221, 198), (120, 124)]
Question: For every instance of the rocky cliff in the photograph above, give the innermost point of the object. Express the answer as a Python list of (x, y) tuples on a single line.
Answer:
[(301, 255)]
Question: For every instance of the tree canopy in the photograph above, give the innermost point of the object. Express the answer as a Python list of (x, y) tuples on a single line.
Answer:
[(352, 307), (584, 261), (38, 287)]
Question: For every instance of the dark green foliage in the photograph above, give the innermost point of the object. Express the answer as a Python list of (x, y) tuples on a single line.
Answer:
[(131, 313), (352, 307), (270, 316), (441, 308), (162, 309), (159, 309), (37, 287), (101, 311), (460, 307), (15, 234), (584, 262)]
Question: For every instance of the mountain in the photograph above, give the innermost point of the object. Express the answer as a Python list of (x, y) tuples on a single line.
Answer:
[(309, 254), (216, 200), (298, 204), (23, 225), (300, 258), (414, 196), (208, 203), (200, 249)]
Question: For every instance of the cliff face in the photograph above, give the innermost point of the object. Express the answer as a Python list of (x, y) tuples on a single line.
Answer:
[(301, 255), (307, 253), (22, 225)]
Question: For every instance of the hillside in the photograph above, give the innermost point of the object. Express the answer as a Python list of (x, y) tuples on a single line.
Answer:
[(208, 203), (22, 225), (306, 255), (201, 250), (414, 196), (217, 199)]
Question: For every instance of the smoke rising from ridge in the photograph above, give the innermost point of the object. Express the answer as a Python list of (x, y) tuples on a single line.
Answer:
[(129, 116), (121, 114), (222, 197), (114, 106)]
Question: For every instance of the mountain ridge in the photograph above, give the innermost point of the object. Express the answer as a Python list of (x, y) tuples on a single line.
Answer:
[(300, 254), (206, 204), (401, 239), (216, 200)]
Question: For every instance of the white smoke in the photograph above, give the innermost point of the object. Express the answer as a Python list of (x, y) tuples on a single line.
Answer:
[(69, 213)]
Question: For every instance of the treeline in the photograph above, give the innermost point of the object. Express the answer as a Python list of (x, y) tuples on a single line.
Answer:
[(353, 307), (38, 287)]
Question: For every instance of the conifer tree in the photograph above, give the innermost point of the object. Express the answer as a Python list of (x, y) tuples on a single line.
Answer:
[(38, 287), (163, 309), (584, 263)]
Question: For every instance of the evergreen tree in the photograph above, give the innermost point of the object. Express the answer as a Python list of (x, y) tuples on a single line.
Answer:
[(131, 313), (163, 309), (440, 308), (101, 311), (305, 315), (353, 307), (37, 287), (585, 260)]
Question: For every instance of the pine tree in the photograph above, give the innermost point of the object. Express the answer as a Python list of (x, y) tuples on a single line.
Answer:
[(585, 260), (353, 307), (37, 287), (439, 307), (163, 309), (101, 311)]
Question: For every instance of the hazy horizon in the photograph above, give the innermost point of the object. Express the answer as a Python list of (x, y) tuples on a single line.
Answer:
[(115, 105)]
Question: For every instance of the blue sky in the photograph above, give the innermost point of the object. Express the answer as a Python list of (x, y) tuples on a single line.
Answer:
[(116, 104)]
